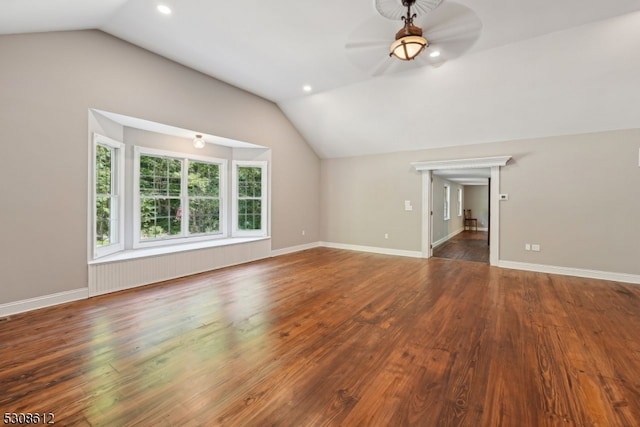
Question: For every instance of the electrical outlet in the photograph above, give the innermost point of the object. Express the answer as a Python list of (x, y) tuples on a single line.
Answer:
[(303, 232), (535, 248), (386, 235)]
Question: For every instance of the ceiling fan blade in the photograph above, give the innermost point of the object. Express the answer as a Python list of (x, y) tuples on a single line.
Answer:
[(366, 44), (452, 30), (382, 67), (450, 14)]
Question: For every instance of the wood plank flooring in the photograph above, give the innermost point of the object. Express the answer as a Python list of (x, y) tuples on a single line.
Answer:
[(468, 245), (334, 338)]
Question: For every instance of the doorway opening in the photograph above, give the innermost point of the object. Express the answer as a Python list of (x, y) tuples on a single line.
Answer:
[(464, 234), (431, 170)]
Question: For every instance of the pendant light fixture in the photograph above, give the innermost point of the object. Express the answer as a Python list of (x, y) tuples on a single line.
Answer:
[(409, 41)]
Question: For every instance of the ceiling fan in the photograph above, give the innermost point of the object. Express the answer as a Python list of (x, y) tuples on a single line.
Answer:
[(444, 29)]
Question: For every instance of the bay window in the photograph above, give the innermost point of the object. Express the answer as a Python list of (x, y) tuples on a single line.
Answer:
[(171, 198)]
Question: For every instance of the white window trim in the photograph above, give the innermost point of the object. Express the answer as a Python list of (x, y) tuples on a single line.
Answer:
[(184, 238), (117, 185), (447, 202), (264, 219), (459, 201)]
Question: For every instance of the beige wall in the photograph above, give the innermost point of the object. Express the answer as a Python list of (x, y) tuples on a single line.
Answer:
[(565, 194), (49, 81), (476, 198), (363, 199)]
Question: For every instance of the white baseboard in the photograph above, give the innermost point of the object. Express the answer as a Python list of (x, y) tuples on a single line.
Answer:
[(43, 301), (373, 249), (293, 249), (446, 238), (569, 271)]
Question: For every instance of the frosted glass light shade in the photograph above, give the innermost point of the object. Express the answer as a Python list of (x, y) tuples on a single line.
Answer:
[(408, 47), (199, 142)]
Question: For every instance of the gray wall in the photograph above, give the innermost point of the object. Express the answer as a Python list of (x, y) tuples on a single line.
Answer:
[(476, 198), (565, 193), (49, 81), (443, 228)]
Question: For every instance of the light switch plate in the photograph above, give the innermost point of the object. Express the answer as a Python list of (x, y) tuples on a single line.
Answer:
[(407, 205)]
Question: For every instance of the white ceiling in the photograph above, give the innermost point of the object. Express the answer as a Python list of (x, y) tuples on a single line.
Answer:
[(525, 68)]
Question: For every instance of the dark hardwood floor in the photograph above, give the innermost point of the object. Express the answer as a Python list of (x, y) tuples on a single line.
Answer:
[(334, 338), (468, 246)]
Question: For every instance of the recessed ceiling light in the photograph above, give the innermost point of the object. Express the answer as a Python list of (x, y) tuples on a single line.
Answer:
[(306, 88), (164, 9), (435, 54)]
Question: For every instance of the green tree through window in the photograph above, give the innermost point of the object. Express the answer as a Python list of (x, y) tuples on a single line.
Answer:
[(108, 189), (178, 197), (249, 198), (104, 194), (160, 197), (204, 197)]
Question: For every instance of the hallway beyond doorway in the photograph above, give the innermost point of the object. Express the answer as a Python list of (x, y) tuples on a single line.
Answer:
[(468, 246)]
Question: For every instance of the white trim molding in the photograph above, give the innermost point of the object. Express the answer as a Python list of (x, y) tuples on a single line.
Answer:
[(292, 249), (427, 214), (482, 162), (373, 249), (24, 305), (447, 238), (570, 271)]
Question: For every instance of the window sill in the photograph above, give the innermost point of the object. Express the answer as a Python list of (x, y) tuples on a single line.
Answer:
[(163, 250)]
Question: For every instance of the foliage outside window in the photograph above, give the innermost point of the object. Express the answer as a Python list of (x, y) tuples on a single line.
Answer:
[(178, 197), (250, 202), (108, 227), (204, 197), (160, 197)]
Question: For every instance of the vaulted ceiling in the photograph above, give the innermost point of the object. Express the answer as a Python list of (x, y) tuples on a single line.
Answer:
[(509, 69)]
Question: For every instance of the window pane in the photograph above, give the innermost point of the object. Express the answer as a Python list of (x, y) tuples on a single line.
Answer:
[(249, 181), (103, 221), (159, 218), (104, 159), (204, 179), (204, 216), (147, 174), (249, 214), (159, 176)]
